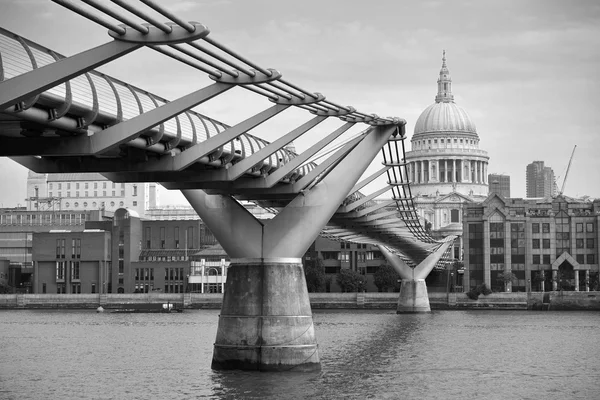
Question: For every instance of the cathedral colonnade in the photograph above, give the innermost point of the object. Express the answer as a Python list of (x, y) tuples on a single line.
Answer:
[(448, 170)]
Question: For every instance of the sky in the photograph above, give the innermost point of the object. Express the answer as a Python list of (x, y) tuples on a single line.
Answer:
[(526, 71)]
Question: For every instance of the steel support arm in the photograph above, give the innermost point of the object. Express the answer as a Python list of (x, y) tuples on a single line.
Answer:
[(206, 147), (36, 81), (363, 200), (244, 165), (321, 170), (369, 179), (291, 165), (292, 231)]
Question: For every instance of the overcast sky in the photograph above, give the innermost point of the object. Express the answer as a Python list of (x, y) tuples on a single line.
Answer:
[(525, 71)]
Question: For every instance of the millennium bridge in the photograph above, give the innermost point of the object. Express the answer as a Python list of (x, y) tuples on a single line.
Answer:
[(61, 115)]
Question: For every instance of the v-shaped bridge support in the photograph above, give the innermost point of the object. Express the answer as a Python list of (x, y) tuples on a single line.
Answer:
[(266, 320), (413, 291)]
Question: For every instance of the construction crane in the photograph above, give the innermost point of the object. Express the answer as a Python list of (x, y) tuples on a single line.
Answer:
[(562, 189)]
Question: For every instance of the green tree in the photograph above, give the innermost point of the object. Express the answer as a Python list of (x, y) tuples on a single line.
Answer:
[(315, 275), (386, 278), (351, 281)]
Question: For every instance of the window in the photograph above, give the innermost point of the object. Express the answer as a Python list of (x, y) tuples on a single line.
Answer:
[(44, 288), (176, 237), (579, 227), (535, 243), (95, 193), (60, 186), (162, 237), (50, 186), (589, 243), (60, 270), (546, 258), (93, 284), (535, 228), (86, 185), (454, 216), (591, 259), (74, 270), (104, 193), (545, 227), (95, 185), (190, 237), (134, 190), (546, 243), (536, 259), (49, 194), (589, 227), (148, 237), (579, 243), (68, 186), (135, 203), (580, 258)]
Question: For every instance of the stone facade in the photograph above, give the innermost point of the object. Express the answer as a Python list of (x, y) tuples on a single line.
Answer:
[(446, 167), (539, 245)]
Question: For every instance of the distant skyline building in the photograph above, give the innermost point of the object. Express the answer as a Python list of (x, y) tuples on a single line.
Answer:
[(540, 180), (499, 183)]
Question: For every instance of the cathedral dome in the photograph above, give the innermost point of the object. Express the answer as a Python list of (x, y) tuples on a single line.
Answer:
[(444, 117)]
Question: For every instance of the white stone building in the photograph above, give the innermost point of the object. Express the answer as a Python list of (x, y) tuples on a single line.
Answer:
[(445, 164), (87, 191)]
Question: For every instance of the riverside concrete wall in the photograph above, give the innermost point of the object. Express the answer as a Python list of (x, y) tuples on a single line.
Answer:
[(369, 300)]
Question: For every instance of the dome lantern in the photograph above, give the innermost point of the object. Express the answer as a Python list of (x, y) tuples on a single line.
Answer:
[(444, 84)]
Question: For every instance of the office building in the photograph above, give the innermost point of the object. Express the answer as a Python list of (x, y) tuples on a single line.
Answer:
[(540, 180), (499, 183), (538, 244)]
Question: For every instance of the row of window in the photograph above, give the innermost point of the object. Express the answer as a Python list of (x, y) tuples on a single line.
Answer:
[(87, 194), (174, 274), (75, 248), (42, 219), (423, 144), (163, 258), (580, 258), (589, 227), (589, 243), (345, 255), (86, 185), (346, 245), (65, 267), (147, 274)]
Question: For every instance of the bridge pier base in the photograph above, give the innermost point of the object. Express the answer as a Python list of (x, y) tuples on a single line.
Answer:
[(413, 297), (413, 290), (266, 321)]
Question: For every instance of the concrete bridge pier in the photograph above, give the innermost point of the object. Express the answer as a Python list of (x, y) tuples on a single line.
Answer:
[(266, 321), (413, 296)]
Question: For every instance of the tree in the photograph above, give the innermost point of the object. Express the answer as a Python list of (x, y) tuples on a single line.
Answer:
[(507, 277), (385, 278), (315, 275), (351, 281)]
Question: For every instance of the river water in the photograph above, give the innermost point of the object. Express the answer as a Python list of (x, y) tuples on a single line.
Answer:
[(364, 355)]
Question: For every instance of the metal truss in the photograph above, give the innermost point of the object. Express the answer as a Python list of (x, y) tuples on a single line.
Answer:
[(60, 115)]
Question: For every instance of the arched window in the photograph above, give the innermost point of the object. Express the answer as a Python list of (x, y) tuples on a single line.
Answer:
[(454, 216)]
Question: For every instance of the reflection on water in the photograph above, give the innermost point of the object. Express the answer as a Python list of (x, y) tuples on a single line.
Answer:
[(364, 354)]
